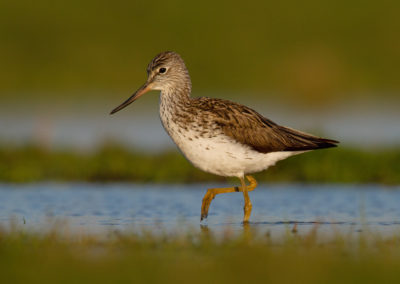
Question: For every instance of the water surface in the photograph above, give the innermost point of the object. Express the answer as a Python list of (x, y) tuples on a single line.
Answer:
[(99, 208)]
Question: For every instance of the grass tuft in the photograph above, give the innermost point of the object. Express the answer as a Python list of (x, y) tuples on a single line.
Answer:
[(197, 257), (113, 162)]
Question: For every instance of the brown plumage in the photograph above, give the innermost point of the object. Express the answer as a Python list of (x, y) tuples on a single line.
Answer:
[(248, 127)]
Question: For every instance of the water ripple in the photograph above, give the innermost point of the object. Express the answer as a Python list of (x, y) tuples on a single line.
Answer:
[(99, 208)]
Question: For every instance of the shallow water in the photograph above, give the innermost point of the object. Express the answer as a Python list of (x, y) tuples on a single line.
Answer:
[(99, 208), (85, 124)]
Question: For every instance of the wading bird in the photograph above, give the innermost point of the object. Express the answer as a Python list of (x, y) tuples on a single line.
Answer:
[(219, 136)]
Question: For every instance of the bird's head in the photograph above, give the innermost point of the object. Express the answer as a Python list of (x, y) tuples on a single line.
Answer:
[(166, 72)]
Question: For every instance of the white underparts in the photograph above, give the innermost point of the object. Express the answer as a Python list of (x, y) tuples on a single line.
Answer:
[(217, 154), (225, 157)]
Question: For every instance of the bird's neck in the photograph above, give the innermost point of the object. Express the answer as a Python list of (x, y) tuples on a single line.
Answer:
[(175, 104), (176, 95)]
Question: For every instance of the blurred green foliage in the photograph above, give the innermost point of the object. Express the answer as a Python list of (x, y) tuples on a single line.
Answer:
[(311, 50), (197, 258), (115, 163)]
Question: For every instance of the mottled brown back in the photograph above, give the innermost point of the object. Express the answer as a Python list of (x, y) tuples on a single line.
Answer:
[(250, 128)]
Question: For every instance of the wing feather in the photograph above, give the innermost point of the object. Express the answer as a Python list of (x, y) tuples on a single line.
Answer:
[(248, 127)]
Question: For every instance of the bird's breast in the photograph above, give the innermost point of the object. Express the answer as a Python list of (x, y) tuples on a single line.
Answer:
[(180, 125)]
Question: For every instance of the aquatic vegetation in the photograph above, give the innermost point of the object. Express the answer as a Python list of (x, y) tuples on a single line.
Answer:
[(115, 163), (197, 258)]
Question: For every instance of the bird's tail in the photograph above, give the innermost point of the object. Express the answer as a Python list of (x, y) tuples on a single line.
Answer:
[(304, 141)]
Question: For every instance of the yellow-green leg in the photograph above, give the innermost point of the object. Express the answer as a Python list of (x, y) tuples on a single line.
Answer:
[(212, 192), (247, 203)]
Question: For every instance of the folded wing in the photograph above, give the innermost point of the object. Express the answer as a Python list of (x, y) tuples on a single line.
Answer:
[(248, 127)]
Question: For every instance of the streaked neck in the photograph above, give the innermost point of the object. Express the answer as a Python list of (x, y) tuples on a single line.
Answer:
[(177, 93)]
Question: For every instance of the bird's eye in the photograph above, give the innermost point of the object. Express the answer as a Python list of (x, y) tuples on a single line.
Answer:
[(162, 70)]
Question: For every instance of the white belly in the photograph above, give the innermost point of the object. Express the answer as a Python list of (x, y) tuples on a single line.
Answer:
[(222, 156)]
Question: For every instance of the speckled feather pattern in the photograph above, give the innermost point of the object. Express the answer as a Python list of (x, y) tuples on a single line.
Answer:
[(206, 146), (220, 136)]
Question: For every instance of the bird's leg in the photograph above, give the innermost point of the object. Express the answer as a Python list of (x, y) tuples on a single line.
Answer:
[(210, 195), (212, 192), (247, 203)]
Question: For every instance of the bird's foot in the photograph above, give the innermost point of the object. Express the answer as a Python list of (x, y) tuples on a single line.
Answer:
[(210, 195)]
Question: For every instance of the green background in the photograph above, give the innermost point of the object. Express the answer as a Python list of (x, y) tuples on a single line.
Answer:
[(310, 51)]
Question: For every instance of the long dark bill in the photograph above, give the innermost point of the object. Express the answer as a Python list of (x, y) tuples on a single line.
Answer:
[(142, 90)]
